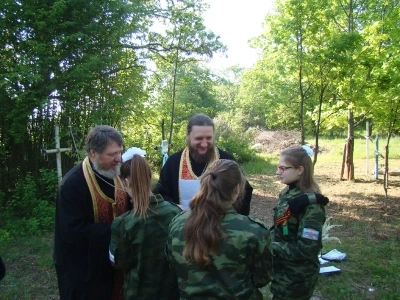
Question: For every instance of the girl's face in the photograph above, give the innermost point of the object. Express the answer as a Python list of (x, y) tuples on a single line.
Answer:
[(287, 173)]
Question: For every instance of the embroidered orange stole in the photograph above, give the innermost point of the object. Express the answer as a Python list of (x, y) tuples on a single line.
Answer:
[(105, 209), (186, 171), (185, 167)]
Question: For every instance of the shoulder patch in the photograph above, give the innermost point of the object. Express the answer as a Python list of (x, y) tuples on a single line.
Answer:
[(311, 234)]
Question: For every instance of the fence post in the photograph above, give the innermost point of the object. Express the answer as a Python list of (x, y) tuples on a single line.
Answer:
[(376, 157)]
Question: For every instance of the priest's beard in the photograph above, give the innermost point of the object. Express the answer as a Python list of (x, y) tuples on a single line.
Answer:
[(201, 158), (108, 173)]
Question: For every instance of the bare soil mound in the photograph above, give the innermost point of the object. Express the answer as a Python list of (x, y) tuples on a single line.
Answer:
[(275, 141)]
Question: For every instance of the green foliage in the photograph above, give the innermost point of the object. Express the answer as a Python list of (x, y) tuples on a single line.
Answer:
[(89, 67), (176, 96), (238, 145), (235, 141), (22, 201), (338, 56), (30, 209)]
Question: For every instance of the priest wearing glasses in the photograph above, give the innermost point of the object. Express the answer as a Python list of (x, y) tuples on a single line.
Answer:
[(180, 176), (90, 196)]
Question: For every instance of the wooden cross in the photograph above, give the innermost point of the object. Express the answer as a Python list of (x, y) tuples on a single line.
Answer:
[(58, 151)]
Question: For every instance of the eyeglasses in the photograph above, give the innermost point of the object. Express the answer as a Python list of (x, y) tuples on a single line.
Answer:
[(283, 168)]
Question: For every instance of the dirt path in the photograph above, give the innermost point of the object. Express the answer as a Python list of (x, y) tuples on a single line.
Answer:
[(261, 207)]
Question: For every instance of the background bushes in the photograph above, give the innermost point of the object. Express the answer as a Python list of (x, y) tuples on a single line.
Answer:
[(31, 208)]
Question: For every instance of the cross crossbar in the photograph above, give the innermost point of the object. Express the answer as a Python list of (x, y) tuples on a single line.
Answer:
[(57, 151)]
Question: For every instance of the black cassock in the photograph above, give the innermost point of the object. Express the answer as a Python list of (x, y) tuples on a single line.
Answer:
[(168, 184), (80, 245)]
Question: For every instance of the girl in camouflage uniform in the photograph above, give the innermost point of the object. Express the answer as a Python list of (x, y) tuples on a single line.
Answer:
[(297, 230), (215, 252), (138, 236)]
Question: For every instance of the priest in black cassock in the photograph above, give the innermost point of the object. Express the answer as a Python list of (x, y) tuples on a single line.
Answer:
[(90, 196), (181, 174)]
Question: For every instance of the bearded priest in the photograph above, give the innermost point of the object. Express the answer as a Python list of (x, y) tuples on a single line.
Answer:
[(91, 195), (181, 174)]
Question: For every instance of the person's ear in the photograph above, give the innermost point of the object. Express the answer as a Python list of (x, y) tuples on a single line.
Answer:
[(92, 153), (301, 170), (127, 182)]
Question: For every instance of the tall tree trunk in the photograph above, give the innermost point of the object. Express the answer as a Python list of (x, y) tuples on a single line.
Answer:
[(395, 112), (317, 127), (343, 161), (173, 100), (350, 147)]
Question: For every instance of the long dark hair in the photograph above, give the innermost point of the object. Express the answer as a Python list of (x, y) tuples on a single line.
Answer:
[(218, 190)]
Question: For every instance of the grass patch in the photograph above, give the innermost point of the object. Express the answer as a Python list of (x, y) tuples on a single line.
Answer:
[(371, 268), (262, 163), (333, 148), (30, 272)]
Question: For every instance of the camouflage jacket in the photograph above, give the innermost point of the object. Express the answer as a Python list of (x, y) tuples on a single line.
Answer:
[(242, 265), (297, 241), (137, 247)]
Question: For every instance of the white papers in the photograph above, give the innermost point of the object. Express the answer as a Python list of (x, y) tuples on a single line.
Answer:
[(188, 188), (329, 270), (334, 255), (322, 261)]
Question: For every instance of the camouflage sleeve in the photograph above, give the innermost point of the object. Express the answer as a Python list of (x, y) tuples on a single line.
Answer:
[(263, 263), (120, 252), (173, 226), (309, 237)]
